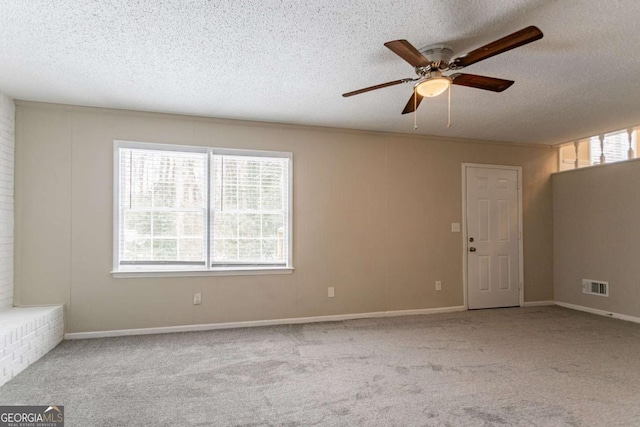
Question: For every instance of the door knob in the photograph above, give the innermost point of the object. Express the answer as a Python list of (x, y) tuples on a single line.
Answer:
[(472, 249)]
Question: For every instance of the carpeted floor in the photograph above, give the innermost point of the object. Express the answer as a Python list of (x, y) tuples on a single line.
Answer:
[(539, 366)]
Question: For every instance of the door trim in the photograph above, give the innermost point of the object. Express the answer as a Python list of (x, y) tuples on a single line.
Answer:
[(518, 170)]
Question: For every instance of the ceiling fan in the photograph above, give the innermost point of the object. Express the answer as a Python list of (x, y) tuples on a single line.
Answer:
[(431, 61)]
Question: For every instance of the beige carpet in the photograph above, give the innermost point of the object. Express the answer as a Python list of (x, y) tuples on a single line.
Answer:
[(542, 366)]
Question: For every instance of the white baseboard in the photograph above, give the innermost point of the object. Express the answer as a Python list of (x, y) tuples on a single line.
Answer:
[(538, 303), (599, 312), (316, 319), (254, 323)]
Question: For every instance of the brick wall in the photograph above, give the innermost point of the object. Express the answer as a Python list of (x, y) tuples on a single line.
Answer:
[(7, 142), (27, 334)]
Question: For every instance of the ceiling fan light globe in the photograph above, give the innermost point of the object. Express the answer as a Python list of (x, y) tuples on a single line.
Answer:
[(433, 87)]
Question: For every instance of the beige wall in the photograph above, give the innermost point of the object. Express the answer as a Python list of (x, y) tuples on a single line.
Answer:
[(372, 217), (596, 235)]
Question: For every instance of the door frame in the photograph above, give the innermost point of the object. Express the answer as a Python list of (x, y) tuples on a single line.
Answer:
[(518, 170)]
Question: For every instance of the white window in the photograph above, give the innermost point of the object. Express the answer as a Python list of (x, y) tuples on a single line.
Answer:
[(197, 209), (616, 147)]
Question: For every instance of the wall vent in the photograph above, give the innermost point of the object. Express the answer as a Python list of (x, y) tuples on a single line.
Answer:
[(595, 287)]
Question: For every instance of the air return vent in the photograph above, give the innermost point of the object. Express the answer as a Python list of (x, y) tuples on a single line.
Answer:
[(595, 287)]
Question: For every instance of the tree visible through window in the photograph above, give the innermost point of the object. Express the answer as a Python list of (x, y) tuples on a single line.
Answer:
[(201, 208), (248, 209), (163, 206)]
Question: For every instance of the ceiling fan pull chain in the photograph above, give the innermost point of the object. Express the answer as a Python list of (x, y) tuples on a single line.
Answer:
[(415, 109), (449, 109)]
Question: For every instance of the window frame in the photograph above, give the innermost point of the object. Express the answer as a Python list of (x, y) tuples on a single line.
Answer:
[(594, 142), (169, 270)]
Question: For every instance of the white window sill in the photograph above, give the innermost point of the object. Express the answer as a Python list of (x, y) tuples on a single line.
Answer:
[(231, 271)]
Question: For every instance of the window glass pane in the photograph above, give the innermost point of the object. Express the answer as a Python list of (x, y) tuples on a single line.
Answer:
[(249, 250), (271, 224), (138, 249), (225, 225), (165, 224), (163, 196), (137, 224), (230, 170), (165, 250), (225, 250), (191, 249), (252, 205), (192, 223), (616, 147), (248, 197), (270, 250), (272, 198), (230, 196), (249, 225)]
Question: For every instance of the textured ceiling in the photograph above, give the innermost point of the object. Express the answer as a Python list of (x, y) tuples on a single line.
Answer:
[(290, 61)]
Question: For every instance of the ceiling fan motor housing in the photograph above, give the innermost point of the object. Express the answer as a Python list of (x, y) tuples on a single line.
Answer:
[(437, 52), (439, 55)]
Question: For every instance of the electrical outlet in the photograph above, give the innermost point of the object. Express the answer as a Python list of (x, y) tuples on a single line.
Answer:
[(197, 298), (331, 292), (438, 285)]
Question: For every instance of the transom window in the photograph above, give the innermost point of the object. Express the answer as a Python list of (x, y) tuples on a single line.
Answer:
[(616, 147), (184, 208)]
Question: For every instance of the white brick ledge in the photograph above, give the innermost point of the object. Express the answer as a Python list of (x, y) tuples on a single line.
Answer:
[(27, 334)]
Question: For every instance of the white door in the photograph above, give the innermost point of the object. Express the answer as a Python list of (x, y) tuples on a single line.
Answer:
[(493, 247)]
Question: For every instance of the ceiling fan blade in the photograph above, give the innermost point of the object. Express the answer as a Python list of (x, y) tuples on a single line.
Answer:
[(406, 51), (380, 86), (517, 39), (412, 105), (481, 82)]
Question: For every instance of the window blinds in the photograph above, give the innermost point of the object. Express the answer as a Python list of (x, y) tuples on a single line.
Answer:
[(163, 197), (201, 209), (616, 147), (249, 209)]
